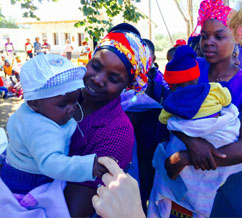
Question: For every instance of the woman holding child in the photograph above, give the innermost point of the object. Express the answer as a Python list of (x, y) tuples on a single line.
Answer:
[(217, 45), (120, 60)]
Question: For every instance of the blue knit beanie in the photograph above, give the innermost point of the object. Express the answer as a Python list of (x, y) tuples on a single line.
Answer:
[(183, 67)]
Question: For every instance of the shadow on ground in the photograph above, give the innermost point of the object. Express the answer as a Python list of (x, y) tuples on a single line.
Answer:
[(7, 108)]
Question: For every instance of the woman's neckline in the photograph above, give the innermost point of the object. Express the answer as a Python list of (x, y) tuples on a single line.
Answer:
[(223, 77)]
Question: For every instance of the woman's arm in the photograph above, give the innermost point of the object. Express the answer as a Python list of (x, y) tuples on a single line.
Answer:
[(116, 141), (233, 152), (201, 152)]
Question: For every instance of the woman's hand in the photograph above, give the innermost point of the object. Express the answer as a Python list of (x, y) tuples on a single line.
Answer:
[(202, 154), (120, 196)]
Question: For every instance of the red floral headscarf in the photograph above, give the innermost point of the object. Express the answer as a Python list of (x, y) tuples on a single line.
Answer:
[(133, 52)]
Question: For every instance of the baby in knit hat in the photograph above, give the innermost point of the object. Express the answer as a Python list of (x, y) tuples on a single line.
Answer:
[(41, 129), (197, 110)]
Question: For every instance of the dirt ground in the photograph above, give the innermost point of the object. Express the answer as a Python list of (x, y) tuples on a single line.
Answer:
[(8, 107)]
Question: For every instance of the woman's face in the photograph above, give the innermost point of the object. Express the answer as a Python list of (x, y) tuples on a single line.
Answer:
[(216, 42), (105, 78)]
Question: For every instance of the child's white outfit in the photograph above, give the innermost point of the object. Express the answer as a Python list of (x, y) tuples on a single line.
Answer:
[(193, 189)]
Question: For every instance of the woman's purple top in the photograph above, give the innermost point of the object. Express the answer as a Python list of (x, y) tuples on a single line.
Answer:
[(234, 85), (107, 132)]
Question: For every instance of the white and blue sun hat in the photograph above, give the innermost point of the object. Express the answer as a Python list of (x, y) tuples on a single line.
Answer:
[(50, 75)]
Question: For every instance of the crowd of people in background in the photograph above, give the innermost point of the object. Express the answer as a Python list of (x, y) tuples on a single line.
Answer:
[(177, 133), (11, 63)]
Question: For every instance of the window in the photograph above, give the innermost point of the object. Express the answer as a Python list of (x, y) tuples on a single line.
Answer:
[(44, 35), (67, 36), (80, 38), (56, 38)]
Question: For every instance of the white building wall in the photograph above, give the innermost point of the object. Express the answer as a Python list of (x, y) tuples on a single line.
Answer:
[(60, 29), (47, 30)]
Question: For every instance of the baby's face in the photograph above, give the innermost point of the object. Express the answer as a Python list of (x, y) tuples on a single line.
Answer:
[(59, 108)]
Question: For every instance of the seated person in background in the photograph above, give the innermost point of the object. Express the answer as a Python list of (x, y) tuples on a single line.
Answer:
[(41, 129), (198, 110), (3, 89), (15, 86), (7, 68)]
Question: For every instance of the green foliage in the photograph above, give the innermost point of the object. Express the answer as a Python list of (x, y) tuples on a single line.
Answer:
[(30, 6), (98, 13), (7, 23), (162, 42), (96, 23)]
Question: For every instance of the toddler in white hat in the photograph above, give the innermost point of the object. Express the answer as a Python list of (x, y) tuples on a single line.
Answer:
[(41, 129)]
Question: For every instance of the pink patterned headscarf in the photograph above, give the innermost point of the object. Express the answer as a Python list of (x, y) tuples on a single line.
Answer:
[(212, 9)]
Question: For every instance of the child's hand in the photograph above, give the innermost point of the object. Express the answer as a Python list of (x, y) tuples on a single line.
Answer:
[(99, 169), (175, 164)]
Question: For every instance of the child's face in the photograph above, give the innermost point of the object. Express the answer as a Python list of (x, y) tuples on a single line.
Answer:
[(59, 108), (7, 64), (173, 87)]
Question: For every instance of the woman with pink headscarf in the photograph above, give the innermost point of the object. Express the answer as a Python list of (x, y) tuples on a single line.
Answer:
[(217, 44)]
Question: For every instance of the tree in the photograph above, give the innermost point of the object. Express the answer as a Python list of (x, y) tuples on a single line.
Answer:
[(188, 13), (188, 17), (98, 14), (7, 23)]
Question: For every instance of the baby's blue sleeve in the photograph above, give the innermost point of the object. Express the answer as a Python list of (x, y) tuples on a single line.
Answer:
[(48, 148)]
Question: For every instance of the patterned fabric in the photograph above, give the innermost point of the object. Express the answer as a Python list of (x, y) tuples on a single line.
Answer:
[(64, 77), (110, 136), (178, 211), (212, 9), (133, 52)]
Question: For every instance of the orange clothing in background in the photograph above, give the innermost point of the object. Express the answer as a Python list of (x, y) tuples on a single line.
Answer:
[(7, 70)]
